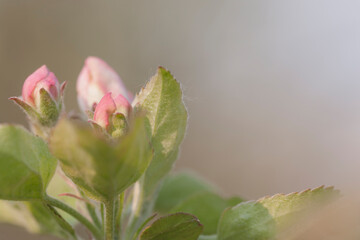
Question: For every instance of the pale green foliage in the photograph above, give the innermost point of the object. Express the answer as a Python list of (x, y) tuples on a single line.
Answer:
[(246, 221), (166, 119), (185, 192), (263, 219), (285, 208), (179, 226), (207, 206), (177, 188), (26, 165), (103, 168)]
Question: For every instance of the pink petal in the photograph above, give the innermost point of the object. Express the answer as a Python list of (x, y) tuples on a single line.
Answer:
[(122, 104), (95, 80), (104, 109), (41, 78)]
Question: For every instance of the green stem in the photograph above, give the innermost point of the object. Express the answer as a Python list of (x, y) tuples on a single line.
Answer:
[(91, 210), (109, 219), (120, 206), (93, 215), (58, 204)]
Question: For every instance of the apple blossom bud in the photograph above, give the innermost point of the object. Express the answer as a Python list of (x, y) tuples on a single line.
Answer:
[(95, 80), (110, 114), (41, 97), (41, 78)]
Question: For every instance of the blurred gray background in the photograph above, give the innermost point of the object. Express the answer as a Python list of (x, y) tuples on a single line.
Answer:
[(272, 87)]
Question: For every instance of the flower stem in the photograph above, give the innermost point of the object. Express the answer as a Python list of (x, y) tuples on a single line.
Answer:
[(109, 219), (58, 204), (119, 209)]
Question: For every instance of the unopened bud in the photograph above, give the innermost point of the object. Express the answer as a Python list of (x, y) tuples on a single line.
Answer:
[(111, 114), (95, 80), (41, 97)]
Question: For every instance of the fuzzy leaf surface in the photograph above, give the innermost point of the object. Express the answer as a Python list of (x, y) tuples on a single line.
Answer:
[(286, 208), (178, 226), (166, 119), (101, 167), (267, 217), (26, 165)]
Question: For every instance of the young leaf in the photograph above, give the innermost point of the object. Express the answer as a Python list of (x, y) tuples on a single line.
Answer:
[(246, 221), (285, 208), (176, 188), (166, 119), (102, 168), (265, 218), (207, 206), (179, 226), (185, 192), (26, 165)]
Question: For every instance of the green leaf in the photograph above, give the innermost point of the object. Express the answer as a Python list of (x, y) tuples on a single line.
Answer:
[(101, 167), (246, 221), (177, 188), (26, 165), (33, 216), (207, 206), (179, 226), (185, 192), (263, 219), (286, 208), (166, 120), (233, 201)]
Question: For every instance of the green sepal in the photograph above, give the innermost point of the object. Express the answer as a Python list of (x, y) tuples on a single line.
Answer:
[(49, 110), (120, 125), (29, 110)]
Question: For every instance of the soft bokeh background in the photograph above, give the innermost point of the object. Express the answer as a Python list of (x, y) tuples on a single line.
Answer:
[(272, 87)]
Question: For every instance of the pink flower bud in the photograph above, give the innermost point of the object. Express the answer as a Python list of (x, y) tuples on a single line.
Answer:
[(95, 80), (41, 97), (104, 110), (41, 78), (108, 107)]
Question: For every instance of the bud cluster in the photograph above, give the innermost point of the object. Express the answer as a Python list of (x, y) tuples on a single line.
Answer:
[(100, 91)]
